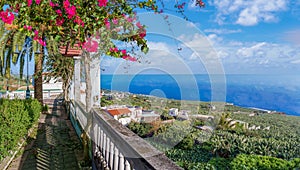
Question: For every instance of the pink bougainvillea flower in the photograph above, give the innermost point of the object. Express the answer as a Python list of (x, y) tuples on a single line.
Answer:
[(129, 19), (115, 21), (28, 27), (38, 2), (102, 3), (91, 45), (59, 12), (107, 24), (40, 41), (128, 57), (59, 21), (66, 4), (71, 11), (142, 34), (115, 49), (79, 21), (29, 2), (138, 24), (123, 52), (51, 4), (7, 17)]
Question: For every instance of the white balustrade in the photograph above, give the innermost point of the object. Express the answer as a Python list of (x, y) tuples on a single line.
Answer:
[(117, 148)]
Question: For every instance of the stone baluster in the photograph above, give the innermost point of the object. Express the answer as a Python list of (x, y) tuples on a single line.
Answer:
[(111, 155), (104, 146), (127, 165), (96, 136), (101, 140), (116, 159), (107, 150), (121, 164)]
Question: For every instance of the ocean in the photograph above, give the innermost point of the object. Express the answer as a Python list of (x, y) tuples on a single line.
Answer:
[(271, 92)]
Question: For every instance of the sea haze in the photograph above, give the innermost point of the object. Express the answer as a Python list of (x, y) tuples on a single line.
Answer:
[(271, 92)]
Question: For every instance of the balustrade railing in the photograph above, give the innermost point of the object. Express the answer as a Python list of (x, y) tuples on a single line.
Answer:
[(114, 146)]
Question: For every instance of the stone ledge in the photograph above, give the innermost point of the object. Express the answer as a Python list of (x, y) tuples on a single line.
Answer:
[(142, 154)]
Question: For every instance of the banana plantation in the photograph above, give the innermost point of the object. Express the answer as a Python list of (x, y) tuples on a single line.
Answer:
[(274, 145)]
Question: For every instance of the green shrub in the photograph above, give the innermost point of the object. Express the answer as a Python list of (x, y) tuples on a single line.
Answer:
[(252, 162), (45, 108), (220, 163), (16, 117), (186, 143)]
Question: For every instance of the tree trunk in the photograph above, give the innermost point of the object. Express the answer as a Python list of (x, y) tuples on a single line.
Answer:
[(65, 88), (85, 138), (88, 83), (38, 79)]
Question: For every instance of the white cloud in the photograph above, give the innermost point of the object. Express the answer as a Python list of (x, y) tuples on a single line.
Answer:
[(248, 13), (255, 50), (222, 31), (200, 55), (295, 62), (214, 38), (259, 57)]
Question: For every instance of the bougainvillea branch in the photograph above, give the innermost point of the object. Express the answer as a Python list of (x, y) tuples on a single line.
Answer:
[(76, 21)]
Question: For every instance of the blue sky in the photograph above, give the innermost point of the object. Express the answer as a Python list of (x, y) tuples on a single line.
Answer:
[(236, 36), (227, 36)]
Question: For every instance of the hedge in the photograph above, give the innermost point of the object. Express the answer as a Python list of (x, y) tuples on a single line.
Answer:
[(16, 118)]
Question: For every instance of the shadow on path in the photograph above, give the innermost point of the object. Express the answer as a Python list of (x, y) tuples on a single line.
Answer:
[(56, 145)]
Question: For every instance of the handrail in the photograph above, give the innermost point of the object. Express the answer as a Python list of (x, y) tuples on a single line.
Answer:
[(115, 146), (135, 150)]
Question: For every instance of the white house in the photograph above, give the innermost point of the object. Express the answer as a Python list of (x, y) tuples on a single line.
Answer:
[(149, 116), (173, 112), (121, 114), (136, 113)]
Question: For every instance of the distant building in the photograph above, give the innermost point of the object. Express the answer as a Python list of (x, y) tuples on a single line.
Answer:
[(149, 116), (121, 114), (183, 114), (173, 112), (136, 113), (261, 110)]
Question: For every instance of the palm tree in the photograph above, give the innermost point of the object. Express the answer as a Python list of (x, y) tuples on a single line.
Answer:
[(59, 66), (9, 41), (12, 50)]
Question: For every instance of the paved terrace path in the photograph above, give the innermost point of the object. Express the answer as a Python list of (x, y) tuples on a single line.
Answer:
[(56, 145)]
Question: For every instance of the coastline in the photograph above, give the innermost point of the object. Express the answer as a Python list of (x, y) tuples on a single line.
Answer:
[(254, 109)]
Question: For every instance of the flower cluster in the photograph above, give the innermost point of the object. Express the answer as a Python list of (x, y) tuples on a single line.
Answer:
[(102, 3), (7, 17), (90, 45), (27, 27), (122, 53), (70, 9), (29, 2), (38, 38), (73, 21)]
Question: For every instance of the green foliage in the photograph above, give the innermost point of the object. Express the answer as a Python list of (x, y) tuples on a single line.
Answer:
[(197, 122), (165, 115), (142, 101), (249, 162), (105, 101), (141, 129), (194, 155), (186, 143), (45, 108), (16, 117), (220, 163), (174, 134)]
